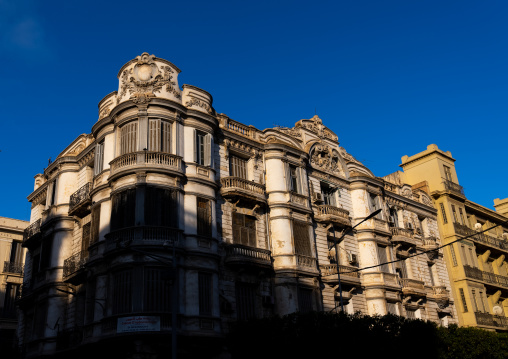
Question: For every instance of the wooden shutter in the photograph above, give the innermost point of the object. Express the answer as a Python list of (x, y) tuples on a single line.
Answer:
[(208, 149), (96, 216), (304, 300), (154, 135), (99, 158), (204, 217), (205, 293), (245, 301), (301, 236), (302, 183), (166, 137), (195, 145), (383, 258), (122, 292), (129, 138)]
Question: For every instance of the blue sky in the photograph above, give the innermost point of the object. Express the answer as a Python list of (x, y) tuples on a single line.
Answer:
[(389, 77)]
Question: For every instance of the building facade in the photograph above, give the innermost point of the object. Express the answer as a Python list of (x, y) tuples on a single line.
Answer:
[(477, 266), (167, 207), (11, 277)]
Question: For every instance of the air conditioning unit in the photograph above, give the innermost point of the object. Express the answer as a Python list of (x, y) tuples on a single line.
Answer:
[(268, 301), (352, 258), (317, 197)]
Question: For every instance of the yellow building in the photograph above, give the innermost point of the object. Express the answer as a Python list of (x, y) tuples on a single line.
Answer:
[(477, 265)]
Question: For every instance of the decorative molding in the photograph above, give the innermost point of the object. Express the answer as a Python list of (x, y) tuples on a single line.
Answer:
[(326, 158), (196, 102)]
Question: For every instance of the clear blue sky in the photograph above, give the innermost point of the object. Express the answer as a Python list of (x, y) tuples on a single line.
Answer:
[(389, 77)]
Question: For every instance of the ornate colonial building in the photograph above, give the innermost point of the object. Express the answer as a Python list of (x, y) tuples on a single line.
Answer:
[(12, 255), (477, 265), (170, 208)]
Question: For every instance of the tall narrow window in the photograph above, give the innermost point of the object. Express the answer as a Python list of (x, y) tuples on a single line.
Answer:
[(454, 258), (383, 259), (475, 304), (85, 239), (293, 179), (122, 292), (328, 194), (462, 216), (401, 268), (16, 257), (375, 205), (159, 136), (51, 194), (431, 274), (11, 293), (245, 301), (204, 217), (304, 300), (161, 207), (203, 149), (394, 218), (123, 210), (99, 158), (157, 290), (238, 167), (129, 138), (244, 229), (463, 298), (482, 302), (473, 257), (464, 255), (455, 219), (448, 173), (443, 213), (301, 236), (95, 224), (205, 293)]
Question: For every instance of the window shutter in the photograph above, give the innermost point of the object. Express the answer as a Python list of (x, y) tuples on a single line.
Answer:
[(212, 162), (99, 158), (166, 137), (195, 145), (333, 200), (288, 177), (154, 135), (208, 143), (302, 176)]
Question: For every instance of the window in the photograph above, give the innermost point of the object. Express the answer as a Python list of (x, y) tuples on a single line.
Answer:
[(244, 230), (204, 217), (293, 179), (304, 300), (161, 207), (205, 293), (448, 173), (375, 204), (159, 136), (122, 292), (42, 257), (473, 257), (129, 138), (16, 257), (203, 149), (464, 255), (431, 274), (383, 258), (394, 218), (99, 158), (85, 238), (11, 293), (463, 298), (90, 301), (455, 218), (443, 213), (328, 194), (302, 240), (462, 217), (401, 268), (454, 258), (484, 308), (157, 290), (238, 167), (51, 194), (245, 301), (95, 223), (122, 212), (475, 303), (391, 308)]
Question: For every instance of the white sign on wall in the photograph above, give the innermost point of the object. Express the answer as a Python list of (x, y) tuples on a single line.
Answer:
[(140, 323)]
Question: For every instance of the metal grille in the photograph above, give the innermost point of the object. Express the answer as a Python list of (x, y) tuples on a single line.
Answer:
[(443, 213), (157, 291), (205, 293), (463, 298), (238, 167), (122, 292), (204, 213), (244, 230), (454, 258), (245, 301), (302, 240), (128, 138), (304, 300)]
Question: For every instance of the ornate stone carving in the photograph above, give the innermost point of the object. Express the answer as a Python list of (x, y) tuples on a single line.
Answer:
[(293, 132), (325, 158), (406, 192), (425, 199), (347, 156), (196, 102), (145, 79)]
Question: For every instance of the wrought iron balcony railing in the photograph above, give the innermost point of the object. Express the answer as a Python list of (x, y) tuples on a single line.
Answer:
[(146, 159), (13, 267), (32, 230), (490, 320), (481, 238), (453, 187), (74, 263), (491, 278), (80, 199)]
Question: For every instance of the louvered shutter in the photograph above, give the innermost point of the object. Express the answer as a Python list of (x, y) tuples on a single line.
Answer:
[(166, 137), (288, 177), (208, 155), (154, 135), (195, 144)]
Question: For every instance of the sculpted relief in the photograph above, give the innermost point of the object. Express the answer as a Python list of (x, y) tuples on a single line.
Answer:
[(325, 158), (145, 79)]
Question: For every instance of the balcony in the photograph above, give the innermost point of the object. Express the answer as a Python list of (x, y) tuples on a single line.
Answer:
[(80, 201), (73, 267), (13, 267), (487, 319), (453, 187), (32, 231), (486, 277), (143, 236), (348, 275), (145, 160), (430, 243), (403, 236), (244, 255), (480, 238), (299, 199), (330, 214), (413, 287), (236, 187), (439, 293), (306, 262)]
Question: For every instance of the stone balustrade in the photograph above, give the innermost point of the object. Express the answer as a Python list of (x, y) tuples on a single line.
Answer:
[(145, 159), (142, 235), (331, 214), (238, 253)]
